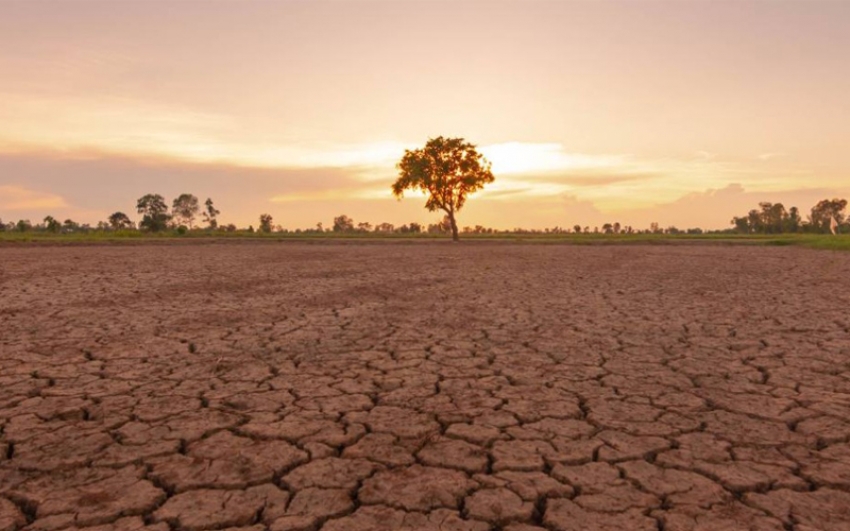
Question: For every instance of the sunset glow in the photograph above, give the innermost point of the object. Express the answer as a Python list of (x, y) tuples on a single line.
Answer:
[(677, 112)]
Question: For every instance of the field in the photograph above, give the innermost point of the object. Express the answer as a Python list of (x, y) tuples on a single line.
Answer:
[(384, 385), (813, 241)]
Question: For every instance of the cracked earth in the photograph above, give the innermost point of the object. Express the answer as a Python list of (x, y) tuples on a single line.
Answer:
[(472, 387)]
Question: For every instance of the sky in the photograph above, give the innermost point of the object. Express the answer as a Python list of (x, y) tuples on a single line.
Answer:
[(682, 112)]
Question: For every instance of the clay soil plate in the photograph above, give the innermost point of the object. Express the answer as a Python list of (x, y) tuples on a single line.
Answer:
[(477, 386)]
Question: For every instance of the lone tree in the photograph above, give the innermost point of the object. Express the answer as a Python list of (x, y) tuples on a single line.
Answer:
[(447, 170), (343, 223), (119, 220), (266, 222), (185, 208), (51, 224), (154, 212), (210, 214)]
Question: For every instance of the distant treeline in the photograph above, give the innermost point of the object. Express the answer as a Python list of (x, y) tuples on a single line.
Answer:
[(773, 218), (186, 209)]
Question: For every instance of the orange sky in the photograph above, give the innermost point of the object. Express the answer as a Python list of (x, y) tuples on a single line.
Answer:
[(680, 112)]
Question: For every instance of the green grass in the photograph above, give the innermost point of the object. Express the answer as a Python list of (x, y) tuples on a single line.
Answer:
[(815, 241)]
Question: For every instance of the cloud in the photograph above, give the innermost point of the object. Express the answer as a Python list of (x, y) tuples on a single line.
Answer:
[(17, 198), (714, 208), (513, 158), (618, 182), (592, 178), (94, 187), (91, 185), (111, 128), (769, 156)]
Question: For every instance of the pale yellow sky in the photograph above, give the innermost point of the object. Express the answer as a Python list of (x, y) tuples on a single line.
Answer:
[(680, 112)]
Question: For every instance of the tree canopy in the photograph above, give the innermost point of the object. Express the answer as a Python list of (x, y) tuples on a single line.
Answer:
[(119, 220), (266, 221), (343, 223), (154, 212), (773, 218), (447, 170), (826, 211), (210, 214), (51, 224), (185, 208)]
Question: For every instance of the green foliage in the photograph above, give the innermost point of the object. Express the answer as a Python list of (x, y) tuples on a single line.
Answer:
[(343, 223), (815, 241), (265, 223), (210, 214), (184, 209), (154, 211), (119, 221), (825, 211), (772, 218), (447, 170), (51, 224)]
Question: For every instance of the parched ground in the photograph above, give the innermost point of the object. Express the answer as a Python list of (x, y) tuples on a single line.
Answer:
[(424, 386)]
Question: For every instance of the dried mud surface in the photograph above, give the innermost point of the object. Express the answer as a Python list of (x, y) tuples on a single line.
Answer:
[(467, 387)]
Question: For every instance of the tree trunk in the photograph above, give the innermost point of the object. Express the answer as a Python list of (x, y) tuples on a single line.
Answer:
[(454, 226)]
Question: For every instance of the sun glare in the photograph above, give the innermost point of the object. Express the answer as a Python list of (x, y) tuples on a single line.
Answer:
[(521, 157)]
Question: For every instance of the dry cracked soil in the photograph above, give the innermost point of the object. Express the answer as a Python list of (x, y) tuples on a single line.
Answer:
[(424, 386)]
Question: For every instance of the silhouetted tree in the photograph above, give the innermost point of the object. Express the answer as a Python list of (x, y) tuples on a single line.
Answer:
[(447, 169), (769, 218), (577, 229), (754, 220), (772, 217), (742, 225), (154, 212), (793, 223), (343, 223), (210, 214), (411, 228), (51, 224), (184, 209), (265, 223), (23, 225), (438, 228), (364, 226), (119, 220), (446, 224), (826, 210)]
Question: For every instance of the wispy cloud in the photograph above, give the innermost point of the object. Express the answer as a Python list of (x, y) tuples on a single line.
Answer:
[(15, 198), (109, 127)]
